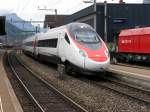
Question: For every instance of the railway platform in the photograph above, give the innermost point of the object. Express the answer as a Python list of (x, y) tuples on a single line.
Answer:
[(140, 73), (8, 99)]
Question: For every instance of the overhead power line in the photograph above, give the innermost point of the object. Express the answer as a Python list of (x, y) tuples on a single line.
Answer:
[(55, 3), (46, 9), (33, 21), (26, 4), (70, 9)]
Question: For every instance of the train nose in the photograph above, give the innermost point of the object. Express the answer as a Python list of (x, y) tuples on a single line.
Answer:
[(98, 57), (97, 65)]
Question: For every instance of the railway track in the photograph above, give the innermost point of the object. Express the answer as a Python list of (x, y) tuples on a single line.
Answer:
[(119, 87), (128, 90), (46, 97)]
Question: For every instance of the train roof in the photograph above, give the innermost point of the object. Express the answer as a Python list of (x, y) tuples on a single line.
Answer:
[(73, 24), (135, 31), (69, 26)]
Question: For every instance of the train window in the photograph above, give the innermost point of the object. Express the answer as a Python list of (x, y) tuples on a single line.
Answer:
[(67, 39), (86, 36), (48, 43)]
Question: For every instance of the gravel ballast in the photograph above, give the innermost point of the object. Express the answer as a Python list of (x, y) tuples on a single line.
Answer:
[(93, 98)]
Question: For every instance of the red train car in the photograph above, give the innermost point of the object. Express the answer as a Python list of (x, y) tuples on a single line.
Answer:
[(134, 44)]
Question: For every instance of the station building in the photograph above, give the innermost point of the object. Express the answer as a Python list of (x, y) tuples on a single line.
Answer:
[(112, 18)]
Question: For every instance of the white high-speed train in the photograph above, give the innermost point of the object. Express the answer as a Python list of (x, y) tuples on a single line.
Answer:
[(75, 45)]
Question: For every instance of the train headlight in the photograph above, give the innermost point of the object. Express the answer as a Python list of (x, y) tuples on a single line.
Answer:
[(107, 53), (83, 53)]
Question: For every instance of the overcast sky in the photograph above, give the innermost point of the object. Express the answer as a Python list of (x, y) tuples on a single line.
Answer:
[(28, 9)]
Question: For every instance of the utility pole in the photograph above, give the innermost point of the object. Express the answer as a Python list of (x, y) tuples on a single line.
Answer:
[(46, 9), (105, 16), (105, 21), (6, 41), (37, 28), (95, 5), (94, 10)]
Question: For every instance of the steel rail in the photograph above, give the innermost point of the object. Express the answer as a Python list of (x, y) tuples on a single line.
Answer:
[(120, 92), (21, 82), (69, 100)]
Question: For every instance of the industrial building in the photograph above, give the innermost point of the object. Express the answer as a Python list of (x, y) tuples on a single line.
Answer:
[(53, 21), (109, 19)]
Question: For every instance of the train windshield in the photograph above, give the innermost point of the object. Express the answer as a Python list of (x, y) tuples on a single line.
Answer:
[(86, 36)]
